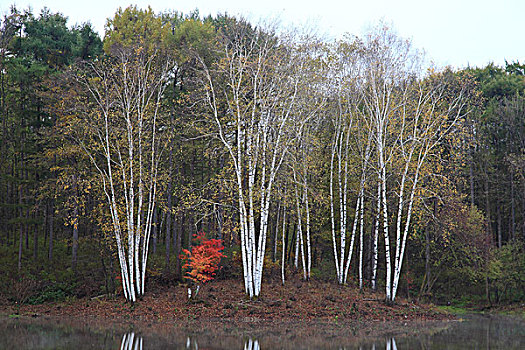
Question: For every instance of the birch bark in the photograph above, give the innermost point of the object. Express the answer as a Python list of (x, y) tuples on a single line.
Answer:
[(125, 97), (410, 117), (262, 83)]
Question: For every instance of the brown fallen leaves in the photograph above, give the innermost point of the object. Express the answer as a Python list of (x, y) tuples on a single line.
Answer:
[(226, 300)]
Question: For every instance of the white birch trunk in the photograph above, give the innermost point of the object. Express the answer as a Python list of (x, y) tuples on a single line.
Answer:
[(352, 239), (283, 253), (399, 262), (361, 226), (262, 78), (276, 231), (300, 240), (376, 238), (296, 254), (408, 117), (308, 245), (388, 281), (122, 94), (332, 211), (342, 206)]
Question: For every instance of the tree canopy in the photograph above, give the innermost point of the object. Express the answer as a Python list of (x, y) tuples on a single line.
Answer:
[(350, 161)]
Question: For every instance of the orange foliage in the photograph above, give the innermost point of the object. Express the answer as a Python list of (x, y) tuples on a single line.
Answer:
[(203, 260)]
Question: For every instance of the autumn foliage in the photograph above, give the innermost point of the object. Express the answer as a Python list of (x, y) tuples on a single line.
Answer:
[(202, 262)]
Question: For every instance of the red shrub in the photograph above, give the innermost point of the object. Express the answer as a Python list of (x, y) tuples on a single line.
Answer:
[(203, 261)]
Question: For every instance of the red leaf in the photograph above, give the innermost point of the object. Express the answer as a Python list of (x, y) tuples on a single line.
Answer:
[(203, 261)]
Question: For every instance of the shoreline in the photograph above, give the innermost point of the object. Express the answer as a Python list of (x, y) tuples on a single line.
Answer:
[(225, 300)]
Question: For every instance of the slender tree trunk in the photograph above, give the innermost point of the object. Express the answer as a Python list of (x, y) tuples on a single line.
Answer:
[(296, 255), (191, 230), (74, 249), (487, 290), (20, 244), (303, 260), (361, 228), (388, 284), (25, 175), (26, 228), (35, 242), (155, 229), (167, 238), (332, 209), (512, 208), (176, 236), (370, 247), (500, 243), (6, 213), (471, 181), (487, 207), (343, 206), (308, 244), (46, 223), (169, 199), (276, 233), (51, 230), (290, 238), (178, 245), (402, 237), (299, 240), (376, 238), (523, 213), (427, 260), (175, 233), (352, 238), (220, 220), (284, 246)]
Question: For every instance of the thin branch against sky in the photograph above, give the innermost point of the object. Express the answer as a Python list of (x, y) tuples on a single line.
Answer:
[(452, 32)]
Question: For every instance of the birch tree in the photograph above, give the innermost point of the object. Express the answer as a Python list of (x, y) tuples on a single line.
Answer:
[(300, 166), (251, 93), (310, 103), (410, 116), (121, 133), (385, 63), (350, 152)]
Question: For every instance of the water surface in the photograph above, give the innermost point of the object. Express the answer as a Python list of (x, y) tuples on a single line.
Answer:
[(473, 332)]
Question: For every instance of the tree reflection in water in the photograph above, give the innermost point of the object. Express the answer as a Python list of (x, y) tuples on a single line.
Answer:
[(252, 345), (188, 344), (473, 332), (131, 342), (390, 345)]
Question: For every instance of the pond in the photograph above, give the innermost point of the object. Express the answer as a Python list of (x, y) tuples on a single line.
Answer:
[(472, 332)]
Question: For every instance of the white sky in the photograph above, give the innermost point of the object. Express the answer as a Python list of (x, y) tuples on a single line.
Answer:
[(452, 32)]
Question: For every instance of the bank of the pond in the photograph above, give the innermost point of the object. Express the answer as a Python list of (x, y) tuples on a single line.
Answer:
[(225, 300), (512, 309)]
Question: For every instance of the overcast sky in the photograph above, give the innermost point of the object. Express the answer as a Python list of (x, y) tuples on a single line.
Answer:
[(452, 32)]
